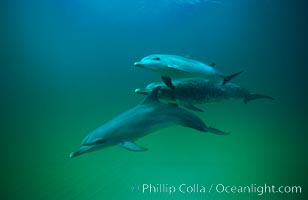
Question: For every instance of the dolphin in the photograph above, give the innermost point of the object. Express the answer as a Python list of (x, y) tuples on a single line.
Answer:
[(149, 116), (198, 91), (172, 66)]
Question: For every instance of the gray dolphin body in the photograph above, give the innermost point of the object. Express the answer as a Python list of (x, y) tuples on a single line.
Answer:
[(199, 91), (173, 66), (148, 116)]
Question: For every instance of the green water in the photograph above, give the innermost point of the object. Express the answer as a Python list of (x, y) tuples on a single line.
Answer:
[(62, 77)]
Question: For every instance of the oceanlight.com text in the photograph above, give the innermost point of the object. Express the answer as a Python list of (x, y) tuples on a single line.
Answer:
[(257, 189)]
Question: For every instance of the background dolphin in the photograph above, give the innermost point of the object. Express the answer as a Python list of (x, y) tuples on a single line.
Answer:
[(198, 91), (172, 66), (139, 121)]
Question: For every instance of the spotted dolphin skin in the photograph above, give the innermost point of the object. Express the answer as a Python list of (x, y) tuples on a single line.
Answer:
[(189, 92), (172, 66), (149, 116)]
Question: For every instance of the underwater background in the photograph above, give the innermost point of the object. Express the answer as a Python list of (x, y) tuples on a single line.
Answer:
[(67, 67)]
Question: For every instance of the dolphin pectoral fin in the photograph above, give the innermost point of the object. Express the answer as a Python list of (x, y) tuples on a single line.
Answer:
[(228, 78), (168, 82), (256, 96), (215, 131), (177, 68), (131, 146), (174, 67), (192, 107)]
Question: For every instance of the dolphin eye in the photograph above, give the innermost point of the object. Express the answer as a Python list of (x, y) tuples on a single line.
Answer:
[(157, 58)]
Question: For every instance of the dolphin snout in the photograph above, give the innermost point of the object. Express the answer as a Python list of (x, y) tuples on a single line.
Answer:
[(81, 150), (142, 91), (137, 64)]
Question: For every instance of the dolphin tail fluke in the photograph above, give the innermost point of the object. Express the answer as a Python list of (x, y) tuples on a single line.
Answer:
[(256, 96), (228, 78)]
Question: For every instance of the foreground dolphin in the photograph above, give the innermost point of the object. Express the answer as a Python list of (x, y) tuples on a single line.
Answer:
[(198, 91), (148, 116), (172, 66)]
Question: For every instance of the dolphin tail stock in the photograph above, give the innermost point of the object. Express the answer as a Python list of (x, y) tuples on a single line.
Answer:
[(251, 97), (228, 78)]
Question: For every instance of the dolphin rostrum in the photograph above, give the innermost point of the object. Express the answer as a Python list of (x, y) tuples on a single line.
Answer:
[(149, 116), (191, 91), (172, 66)]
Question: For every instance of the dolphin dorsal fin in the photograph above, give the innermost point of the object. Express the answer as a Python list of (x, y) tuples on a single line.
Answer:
[(152, 97)]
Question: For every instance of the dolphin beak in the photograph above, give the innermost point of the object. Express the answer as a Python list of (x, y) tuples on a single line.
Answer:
[(142, 91), (81, 150), (137, 64)]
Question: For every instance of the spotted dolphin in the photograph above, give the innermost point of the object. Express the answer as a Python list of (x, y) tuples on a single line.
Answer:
[(149, 116), (173, 66), (191, 91)]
